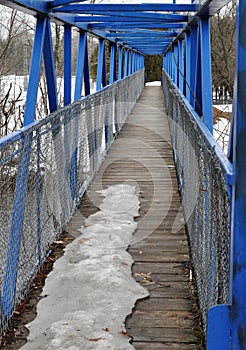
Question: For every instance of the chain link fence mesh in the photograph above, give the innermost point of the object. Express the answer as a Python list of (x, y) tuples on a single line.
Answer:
[(205, 200), (44, 171)]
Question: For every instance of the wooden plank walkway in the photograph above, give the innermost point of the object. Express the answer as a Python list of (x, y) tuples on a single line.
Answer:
[(142, 155)]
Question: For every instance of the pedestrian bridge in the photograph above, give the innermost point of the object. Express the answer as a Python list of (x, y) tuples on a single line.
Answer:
[(157, 138)]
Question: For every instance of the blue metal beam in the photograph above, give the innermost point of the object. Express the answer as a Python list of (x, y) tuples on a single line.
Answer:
[(92, 8), (67, 64), (101, 70), (112, 74), (120, 62), (117, 26), (206, 74), (238, 221), (136, 34), (162, 19), (80, 66), (49, 64), (34, 75)]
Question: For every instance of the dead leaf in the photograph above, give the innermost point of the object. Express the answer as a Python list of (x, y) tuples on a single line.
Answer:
[(83, 240), (106, 329), (124, 333), (96, 339)]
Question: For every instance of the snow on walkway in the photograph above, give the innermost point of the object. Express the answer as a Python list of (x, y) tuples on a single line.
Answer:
[(90, 291)]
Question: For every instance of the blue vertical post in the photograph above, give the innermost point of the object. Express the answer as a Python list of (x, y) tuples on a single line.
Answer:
[(100, 65), (67, 64), (80, 66), (120, 62), (206, 73), (181, 66), (126, 63), (134, 62), (193, 62), (198, 77), (188, 65), (176, 64), (238, 314), (130, 63), (86, 69), (49, 64), (112, 73), (34, 75)]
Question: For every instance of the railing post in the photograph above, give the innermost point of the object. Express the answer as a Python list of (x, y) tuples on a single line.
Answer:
[(120, 62), (206, 75), (67, 64), (181, 66), (187, 65), (101, 66), (112, 74), (126, 63), (238, 228), (34, 75), (130, 63), (193, 62), (175, 63), (80, 66)]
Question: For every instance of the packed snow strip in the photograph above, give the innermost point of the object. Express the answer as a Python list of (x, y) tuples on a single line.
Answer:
[(90, 291)]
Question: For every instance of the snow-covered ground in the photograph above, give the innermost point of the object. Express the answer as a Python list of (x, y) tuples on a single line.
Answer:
[(222, 128)]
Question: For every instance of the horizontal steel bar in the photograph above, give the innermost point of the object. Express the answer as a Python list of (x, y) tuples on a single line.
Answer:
[(65, 5)]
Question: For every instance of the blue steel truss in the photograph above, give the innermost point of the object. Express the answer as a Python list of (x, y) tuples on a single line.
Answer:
[(180, 32)]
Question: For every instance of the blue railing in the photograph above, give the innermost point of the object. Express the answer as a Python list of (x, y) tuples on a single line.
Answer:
[(45, 169), (204, 173)]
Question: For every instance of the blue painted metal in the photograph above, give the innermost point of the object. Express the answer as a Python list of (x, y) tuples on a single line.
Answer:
[(100, 65), (120, 62), (218, 334), (122, 20), (188, 65), (112, 74), (49, 65), (198, 83), (181, 66), (206, 74), (93, 8), (87, 70), (80, 65), (126, 63), (193, 62), (238, 225), (67, 64), (32, 91), (129, 68)]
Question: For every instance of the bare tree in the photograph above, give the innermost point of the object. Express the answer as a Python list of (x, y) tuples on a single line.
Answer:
[(223, 27)]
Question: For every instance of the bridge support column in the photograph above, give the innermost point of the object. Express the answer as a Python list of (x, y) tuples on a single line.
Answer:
[(181, 66), (82, 68), (206, 74), (101, 66), (67, 64), (112, 75), (120, 62), (126, 63)]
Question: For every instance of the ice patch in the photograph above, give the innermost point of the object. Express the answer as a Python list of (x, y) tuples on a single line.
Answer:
[(91, 291)]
